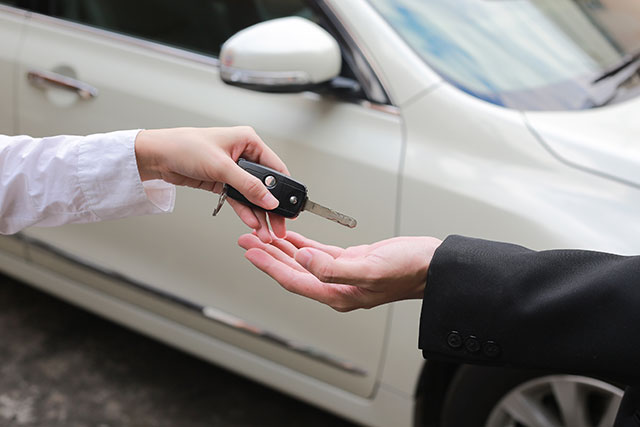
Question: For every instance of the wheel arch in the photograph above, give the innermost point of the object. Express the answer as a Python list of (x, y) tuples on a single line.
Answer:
[(431, 391)]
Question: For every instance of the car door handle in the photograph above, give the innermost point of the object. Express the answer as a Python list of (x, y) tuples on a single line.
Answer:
[(42, 79)]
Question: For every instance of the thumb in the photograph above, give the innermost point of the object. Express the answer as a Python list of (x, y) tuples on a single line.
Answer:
[(250, 186), (329, 269)]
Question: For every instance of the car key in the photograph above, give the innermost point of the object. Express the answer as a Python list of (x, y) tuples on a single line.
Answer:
[(291, 194)]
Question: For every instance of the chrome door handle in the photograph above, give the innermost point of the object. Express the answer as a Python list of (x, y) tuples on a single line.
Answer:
[(42, 79)]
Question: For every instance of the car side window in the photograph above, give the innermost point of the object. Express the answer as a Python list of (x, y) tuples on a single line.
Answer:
[(198, 25), (201, 26)]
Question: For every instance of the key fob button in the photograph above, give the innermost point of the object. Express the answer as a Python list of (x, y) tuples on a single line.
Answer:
[(281, 186), (293, 200), (270, 181)]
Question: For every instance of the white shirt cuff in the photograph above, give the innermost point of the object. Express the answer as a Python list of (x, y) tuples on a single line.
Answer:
[(161, 194), (109, 178)]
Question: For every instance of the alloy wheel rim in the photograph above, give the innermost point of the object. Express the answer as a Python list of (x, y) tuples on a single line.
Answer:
[(558, 401)]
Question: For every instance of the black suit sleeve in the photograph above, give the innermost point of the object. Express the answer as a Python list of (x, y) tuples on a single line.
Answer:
[(561, 310)]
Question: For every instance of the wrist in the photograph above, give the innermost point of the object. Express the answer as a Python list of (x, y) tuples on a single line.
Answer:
[(146, 157), (430, 245)]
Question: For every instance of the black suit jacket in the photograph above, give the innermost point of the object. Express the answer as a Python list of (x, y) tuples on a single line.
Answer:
[(562, 310)]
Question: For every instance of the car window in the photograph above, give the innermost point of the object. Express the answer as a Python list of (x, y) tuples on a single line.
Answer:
[(201, 26), (197, 25), (524, 54)]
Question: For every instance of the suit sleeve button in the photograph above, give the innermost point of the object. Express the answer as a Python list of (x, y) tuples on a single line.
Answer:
[(472, 344), (454, 340), (491, 349)]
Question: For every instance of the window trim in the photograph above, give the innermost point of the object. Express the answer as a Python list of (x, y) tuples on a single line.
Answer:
[(345, 36), (13, 10), (124, 38), (208, 60)]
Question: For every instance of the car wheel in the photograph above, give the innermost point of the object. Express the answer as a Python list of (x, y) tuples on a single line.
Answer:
[(497, 397)]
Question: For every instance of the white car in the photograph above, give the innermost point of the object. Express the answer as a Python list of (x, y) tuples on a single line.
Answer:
[(515, 121)]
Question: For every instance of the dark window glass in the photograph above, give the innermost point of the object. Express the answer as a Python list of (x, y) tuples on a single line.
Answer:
[(34, 5), (198, 25)]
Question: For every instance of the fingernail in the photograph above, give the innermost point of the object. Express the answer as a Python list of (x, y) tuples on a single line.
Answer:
[(303, 258), (269, 201)]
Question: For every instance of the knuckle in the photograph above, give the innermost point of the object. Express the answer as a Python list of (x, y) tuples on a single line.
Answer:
[(286, 286), (343, 308), (253, 186), (248, 132), (340, 304), (335, 302), (372, 276), (368, 306), (325, 274), (337, 306)]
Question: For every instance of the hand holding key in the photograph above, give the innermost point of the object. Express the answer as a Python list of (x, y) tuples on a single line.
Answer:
[(345, 279), (291, 194), (205, 159)]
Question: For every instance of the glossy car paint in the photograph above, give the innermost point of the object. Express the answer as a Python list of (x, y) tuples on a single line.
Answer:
[(603, 141), (11, 28), (189, 253)]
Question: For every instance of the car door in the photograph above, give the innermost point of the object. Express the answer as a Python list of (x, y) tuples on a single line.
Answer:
[(12, 22), (152, 64)]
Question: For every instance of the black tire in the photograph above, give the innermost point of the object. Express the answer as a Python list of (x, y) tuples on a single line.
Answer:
[(475, 391)]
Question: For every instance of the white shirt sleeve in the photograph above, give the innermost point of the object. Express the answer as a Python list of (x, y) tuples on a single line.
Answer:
[(74, 179)]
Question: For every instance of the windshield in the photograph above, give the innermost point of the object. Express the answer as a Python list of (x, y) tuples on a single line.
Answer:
[(524, 54)]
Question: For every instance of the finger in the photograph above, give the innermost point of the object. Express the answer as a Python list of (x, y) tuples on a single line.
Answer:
[(263, 230), (185, 181), (285, 247), (250, 186), (278, 225), (207, 185), (258, 151), (291, 279), (249, 241), (218, 187), (299, 241), (245, 213), (352, 271)]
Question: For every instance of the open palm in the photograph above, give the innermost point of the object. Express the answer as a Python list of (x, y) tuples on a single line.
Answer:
[(346, 279)]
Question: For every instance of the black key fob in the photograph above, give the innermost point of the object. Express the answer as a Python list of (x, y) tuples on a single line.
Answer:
[(291, 194)]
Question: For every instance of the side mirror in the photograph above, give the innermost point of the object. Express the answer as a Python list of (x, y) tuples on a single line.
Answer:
[(283, 55)]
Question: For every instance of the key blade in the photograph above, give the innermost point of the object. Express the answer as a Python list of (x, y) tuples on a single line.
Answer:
[(329, 214)]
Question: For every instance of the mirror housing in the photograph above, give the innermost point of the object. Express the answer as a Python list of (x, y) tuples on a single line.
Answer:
[(282, 55)]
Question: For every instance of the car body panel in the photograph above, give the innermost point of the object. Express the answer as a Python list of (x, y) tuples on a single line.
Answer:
[(355, 149), (401, 71), (484, 174), (496, 170), (604, 140), (385, 408), (12, 22)]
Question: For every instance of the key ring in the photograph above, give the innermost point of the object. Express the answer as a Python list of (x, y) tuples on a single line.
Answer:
[(221, 200)]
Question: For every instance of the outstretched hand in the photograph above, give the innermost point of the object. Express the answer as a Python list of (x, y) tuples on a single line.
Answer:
[(205, 158), (345, 279)]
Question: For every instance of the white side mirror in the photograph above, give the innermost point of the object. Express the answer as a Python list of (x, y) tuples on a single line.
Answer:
[(283, 55)]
